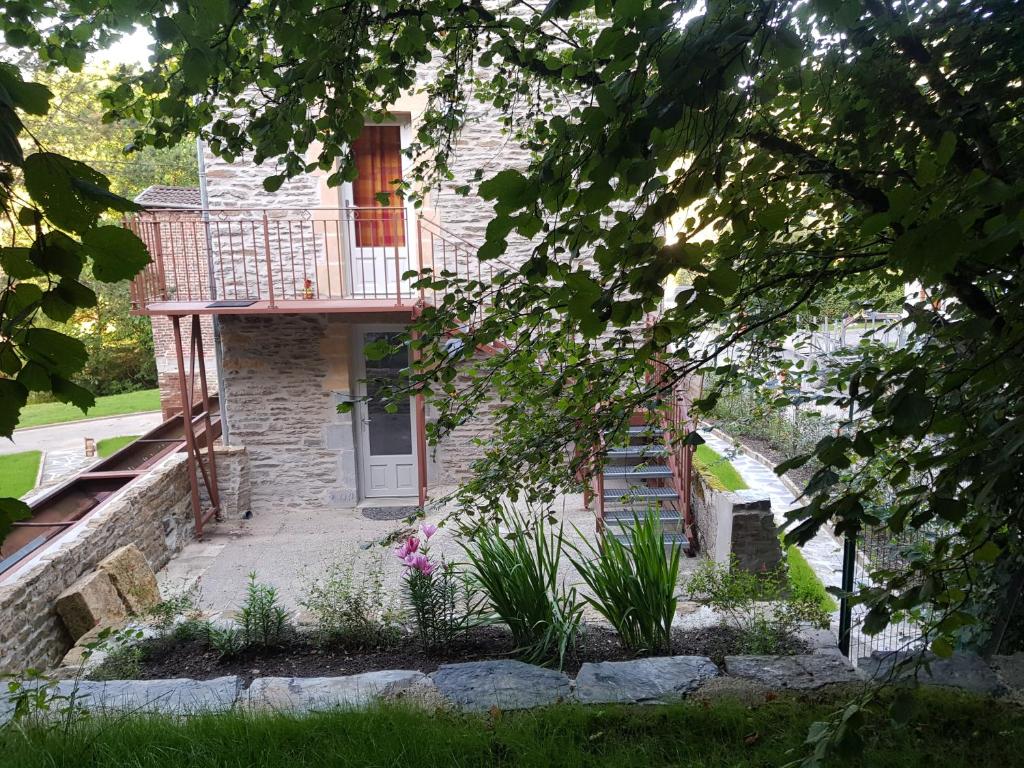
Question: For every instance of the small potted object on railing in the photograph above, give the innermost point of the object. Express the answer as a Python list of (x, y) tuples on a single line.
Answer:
[(307, 289)]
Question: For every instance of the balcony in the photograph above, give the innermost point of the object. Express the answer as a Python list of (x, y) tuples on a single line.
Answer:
[(253, 261)]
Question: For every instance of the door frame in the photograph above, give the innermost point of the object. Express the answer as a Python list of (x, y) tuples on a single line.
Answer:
[(362, 420), (347, 200)]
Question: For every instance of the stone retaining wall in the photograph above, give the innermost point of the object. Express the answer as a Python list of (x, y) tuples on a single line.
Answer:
[(739, 524), (153, 512), (482, 686)]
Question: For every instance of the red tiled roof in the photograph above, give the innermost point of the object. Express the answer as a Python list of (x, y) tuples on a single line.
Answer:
[(169, 197)]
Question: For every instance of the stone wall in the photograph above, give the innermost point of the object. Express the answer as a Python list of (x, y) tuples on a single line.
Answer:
[(154, 512), (735, 524), (284, 376)]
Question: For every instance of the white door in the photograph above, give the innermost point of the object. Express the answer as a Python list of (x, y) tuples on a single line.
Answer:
[(387, 445), (381, 237)]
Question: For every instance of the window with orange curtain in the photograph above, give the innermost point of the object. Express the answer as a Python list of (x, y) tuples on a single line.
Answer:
[(378, 156)]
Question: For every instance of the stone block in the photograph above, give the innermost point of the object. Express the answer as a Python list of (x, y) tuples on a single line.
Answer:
[(477, 686), (310, 694), (961, 670), (1010, 670), (90, 601), (802, 673), (133, 578), (643, 681), (172, 697)]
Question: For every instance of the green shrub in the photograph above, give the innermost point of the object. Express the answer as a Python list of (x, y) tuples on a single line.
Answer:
[(349, 610), (517, 572), (635, 586), (717, 469), (757, 605), (228, 641), (263, 622)]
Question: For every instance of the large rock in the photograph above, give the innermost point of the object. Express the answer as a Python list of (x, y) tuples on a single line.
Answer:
[(477, 686), (90, 601), (961, 670), (309, 694), (803, 673), (1010, 670), (171, 697), (131, 575), (643, 681)]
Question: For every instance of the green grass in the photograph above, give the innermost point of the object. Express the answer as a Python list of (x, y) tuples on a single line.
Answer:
[(110, 405), (717, 470), (18, 473), (804, 582), (947, 731), (112, 445)]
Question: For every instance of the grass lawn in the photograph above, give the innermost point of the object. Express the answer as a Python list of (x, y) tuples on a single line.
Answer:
[(112, 445), (717, 469), (18, 473), (803, 581), (110, 405), (947, 731)]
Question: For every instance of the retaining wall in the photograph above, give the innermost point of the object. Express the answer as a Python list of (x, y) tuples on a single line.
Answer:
[(738, 524)]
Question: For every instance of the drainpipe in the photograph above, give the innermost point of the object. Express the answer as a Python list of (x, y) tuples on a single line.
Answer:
[(217, 349)]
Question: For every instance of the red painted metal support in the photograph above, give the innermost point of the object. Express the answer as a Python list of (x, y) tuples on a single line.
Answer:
[(194, 457), (186, 408), (266, 254), (197, 341)]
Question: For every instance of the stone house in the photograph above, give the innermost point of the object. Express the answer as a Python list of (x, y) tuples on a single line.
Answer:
[(289, 287)]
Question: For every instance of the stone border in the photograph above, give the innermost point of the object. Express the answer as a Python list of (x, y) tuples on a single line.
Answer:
[(482, 686)]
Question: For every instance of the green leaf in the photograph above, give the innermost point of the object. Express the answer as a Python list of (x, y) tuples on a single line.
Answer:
[(58, 353), (876, 620), (30, 97), (15, 262), (11, 511), (35, 377), (988, 552), (13, 396), (117, 253), (509, 187), (68, 392), (942, 648), (54, 182), (57, 254)]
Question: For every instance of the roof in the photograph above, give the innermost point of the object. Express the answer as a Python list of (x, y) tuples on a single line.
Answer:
[(159, 196)]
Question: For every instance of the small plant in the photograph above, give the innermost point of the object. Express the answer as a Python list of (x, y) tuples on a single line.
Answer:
[(757, 605), (351, 611), (517, 571), (165, 614), (635, 586), (433, 590), (123, 662), (191, 629), (263, 622), (228, 641)]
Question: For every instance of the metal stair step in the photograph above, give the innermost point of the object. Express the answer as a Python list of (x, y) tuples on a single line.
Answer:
[(626, 517), (635, 452), (670, 539), (639, 492), (638, 471)]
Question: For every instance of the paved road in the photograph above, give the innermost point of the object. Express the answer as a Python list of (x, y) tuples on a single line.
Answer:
[(70, 436)]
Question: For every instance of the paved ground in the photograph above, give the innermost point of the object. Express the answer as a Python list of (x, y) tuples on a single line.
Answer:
[(63, 445), (824, 552), (287, 548), (70, 435)]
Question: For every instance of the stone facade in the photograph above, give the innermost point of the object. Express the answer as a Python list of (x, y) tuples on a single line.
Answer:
[(284, 377), (739, 525), (153, 512)]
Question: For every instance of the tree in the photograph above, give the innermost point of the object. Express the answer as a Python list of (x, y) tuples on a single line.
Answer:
[(825, 144), (51, 231)]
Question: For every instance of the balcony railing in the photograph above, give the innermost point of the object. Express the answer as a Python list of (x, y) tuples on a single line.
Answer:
[(286, 255)]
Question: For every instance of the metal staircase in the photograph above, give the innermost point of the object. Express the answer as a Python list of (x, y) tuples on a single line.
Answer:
[(646, 467)]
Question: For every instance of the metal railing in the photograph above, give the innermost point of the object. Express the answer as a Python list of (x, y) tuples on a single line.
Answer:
[(275, 255)]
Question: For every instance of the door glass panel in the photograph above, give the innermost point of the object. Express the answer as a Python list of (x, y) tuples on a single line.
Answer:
[(390, 433)]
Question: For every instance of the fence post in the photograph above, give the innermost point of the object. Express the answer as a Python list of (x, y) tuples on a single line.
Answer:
[(845, 609), (266, 254)]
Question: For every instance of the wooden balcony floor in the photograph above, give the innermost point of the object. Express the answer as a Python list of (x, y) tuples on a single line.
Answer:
[(285, 307)]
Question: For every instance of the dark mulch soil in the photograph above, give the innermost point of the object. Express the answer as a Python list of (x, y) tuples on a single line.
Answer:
[(167, 658)]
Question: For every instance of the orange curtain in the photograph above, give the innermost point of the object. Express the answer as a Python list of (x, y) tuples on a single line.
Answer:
[(378, 156)]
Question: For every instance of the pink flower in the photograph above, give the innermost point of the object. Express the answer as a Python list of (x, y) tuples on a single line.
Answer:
[(408, 547), (422, 564), (428, 530)]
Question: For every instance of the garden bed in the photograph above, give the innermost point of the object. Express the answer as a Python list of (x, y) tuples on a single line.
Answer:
[(299, 656)]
